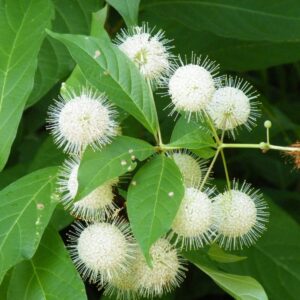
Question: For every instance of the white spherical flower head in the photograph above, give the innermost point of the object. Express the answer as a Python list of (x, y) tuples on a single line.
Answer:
[(232, 105), (194, 220), (78, 121), (240, 216), (124, 284), (149, 52), (96, 206), (191, 168), (101, 250), (191, 86), (167, 270)]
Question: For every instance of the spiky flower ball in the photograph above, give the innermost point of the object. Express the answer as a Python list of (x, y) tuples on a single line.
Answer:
[(191, 86), (240, 216), (124, 285), (193, 224), (191, 168), (166, 273), (96, 206), (79, 120), (149, 52), (101, 250), (232, 105)]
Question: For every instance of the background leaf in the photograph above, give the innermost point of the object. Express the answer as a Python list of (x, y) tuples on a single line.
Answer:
[(190, 135), (50, 274), (232, 53), (218, 254), (25, 210), (54, 61), (274, 260), (108, 69), (151, 209), (245, 20), (22, 29), (128, 9), (239, 287), (115, 159)]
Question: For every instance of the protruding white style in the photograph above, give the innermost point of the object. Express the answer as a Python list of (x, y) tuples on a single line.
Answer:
[(101, 251), (167, 270), (149, 51), (191, 167), (240, 216), (193, 224), (96, 206), (79, 120), (191, 85), (232, 105)]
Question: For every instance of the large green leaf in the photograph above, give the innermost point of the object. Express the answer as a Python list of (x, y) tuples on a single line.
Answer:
[(128, 9), (245, 20), (239, 287), (232, 54), (25, 210), (115, 159), (153, 199), (22, 27), (54, 61), (50, 274), (109, 70), (274, 260)]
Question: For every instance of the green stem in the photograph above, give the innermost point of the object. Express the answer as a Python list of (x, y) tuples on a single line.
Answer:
[(215, 134), (262, 146), (210, 168), (224, 163), (268, 136)]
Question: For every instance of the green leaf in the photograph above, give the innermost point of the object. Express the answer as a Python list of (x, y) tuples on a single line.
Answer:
[(54, 61), (115, 159), (5, 284), (191, 135), (25, 210), (274, 259), (153, 199), (128, 9), (256, 19), (77, 79), (232, 54), (239, 287), (219, 255), (98, 23), (22, 27), (50, 274), (109, 70), (46, 156)]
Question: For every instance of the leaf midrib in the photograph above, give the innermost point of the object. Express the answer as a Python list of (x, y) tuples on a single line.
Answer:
[(156, 201), (13, 48)]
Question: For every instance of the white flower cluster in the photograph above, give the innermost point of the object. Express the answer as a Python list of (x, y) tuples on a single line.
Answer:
[(106, 253), (233, 219), (103, 247)]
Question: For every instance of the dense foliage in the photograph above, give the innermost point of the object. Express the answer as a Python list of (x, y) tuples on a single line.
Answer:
[(59, 49)]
